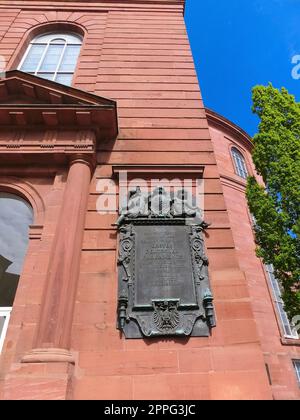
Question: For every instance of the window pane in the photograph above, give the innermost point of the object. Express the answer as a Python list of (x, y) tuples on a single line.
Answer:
[(48, 76), (71, 39), (53, 53), (60, 41), (64, 79), (240, 164), (2, 321), (51, 59), (33, 58), (15, 217), (4, 318), (274, 284), (285, 322), (70, 58), (297, 368)]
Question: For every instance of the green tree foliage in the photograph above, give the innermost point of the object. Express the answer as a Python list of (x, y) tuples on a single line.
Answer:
[(277, 207)]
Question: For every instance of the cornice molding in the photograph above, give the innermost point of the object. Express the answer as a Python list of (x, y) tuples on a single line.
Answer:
[(94, 6), (232, 182), (218, 121), (155, 170), (47, 141)]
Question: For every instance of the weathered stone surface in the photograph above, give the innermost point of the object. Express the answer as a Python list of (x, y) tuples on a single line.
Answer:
[(138, 54)]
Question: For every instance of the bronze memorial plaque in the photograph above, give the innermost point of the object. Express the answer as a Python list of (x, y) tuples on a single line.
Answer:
[(163, 270), (163, 264)]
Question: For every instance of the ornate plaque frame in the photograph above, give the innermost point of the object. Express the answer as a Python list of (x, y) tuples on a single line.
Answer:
[(164, 288)]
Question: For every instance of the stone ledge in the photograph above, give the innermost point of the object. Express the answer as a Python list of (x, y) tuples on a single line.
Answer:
[(49, 356)]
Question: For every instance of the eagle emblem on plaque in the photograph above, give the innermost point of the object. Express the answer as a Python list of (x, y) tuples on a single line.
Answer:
[(166, 316)]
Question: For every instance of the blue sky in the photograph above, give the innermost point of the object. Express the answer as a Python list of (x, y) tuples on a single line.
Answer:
[(238, 44)]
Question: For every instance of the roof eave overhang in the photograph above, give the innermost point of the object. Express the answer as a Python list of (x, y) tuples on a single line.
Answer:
[(46, 104)]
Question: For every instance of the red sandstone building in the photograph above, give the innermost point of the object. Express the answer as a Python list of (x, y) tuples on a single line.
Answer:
[(93, 89)]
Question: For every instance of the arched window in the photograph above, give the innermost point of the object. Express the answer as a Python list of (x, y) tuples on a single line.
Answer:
[(16, 216), (53, 56), (240, 163)]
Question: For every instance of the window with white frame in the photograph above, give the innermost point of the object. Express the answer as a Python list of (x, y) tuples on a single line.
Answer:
[(53, 56), (239, 163), (16, 216), (297, 369), (4, 320), (287, 327)]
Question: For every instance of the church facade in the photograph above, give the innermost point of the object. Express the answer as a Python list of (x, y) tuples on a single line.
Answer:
[(98, 98)]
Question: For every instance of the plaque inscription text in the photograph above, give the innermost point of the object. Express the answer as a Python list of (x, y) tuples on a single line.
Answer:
[(163, 264)]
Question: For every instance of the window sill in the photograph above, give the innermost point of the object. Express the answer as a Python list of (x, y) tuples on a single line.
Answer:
[(290, 342)]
